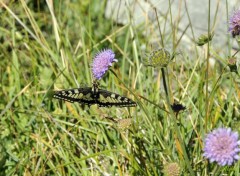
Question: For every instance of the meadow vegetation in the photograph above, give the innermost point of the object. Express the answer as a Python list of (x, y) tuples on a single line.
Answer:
[(49, 45)]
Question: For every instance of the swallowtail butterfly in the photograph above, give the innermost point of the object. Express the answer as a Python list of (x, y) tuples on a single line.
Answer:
[(94, 95)]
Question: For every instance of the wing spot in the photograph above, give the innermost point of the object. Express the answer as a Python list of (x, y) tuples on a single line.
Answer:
[(119, 98), (113, 95), (76, 91), (109, 99), (80, 95), (114, 100), (126, 100), (102, 99)]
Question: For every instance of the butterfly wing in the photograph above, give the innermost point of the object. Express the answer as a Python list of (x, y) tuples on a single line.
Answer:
[(80, 95), (108, 99)]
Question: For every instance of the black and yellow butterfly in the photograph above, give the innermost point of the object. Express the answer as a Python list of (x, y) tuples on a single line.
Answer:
[(94, 95)]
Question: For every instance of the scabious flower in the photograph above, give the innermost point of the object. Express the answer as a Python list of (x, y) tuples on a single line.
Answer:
[(221, 145), (234, 23), (101, 63)]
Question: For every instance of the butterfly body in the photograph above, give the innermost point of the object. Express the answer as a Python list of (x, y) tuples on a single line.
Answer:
[(94, 95)]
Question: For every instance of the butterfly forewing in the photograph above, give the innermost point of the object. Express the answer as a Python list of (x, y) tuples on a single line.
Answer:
[(80, 95), (109, 99)]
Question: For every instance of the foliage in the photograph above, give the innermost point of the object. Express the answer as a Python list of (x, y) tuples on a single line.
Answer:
[(49, 45)]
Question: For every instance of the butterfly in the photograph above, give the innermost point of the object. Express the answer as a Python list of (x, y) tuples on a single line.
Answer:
[(93, 95)]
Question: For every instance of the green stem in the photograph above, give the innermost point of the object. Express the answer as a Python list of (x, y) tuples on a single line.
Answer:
[(208, 55)]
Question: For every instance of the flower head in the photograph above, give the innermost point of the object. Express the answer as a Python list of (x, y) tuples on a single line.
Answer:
[(158, 58), (204, 38), (124, 124), (232, 64), (101, 62), (234, 23), (221, 146), (171, 169)]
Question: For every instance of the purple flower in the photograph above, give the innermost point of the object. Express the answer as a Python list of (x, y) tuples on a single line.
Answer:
[(234, 23), (101, 62), (221, 146)]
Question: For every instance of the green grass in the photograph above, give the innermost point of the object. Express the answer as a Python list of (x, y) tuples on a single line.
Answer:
[(48, 46)]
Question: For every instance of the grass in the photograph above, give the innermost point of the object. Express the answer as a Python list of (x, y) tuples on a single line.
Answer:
[(50, 45)]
